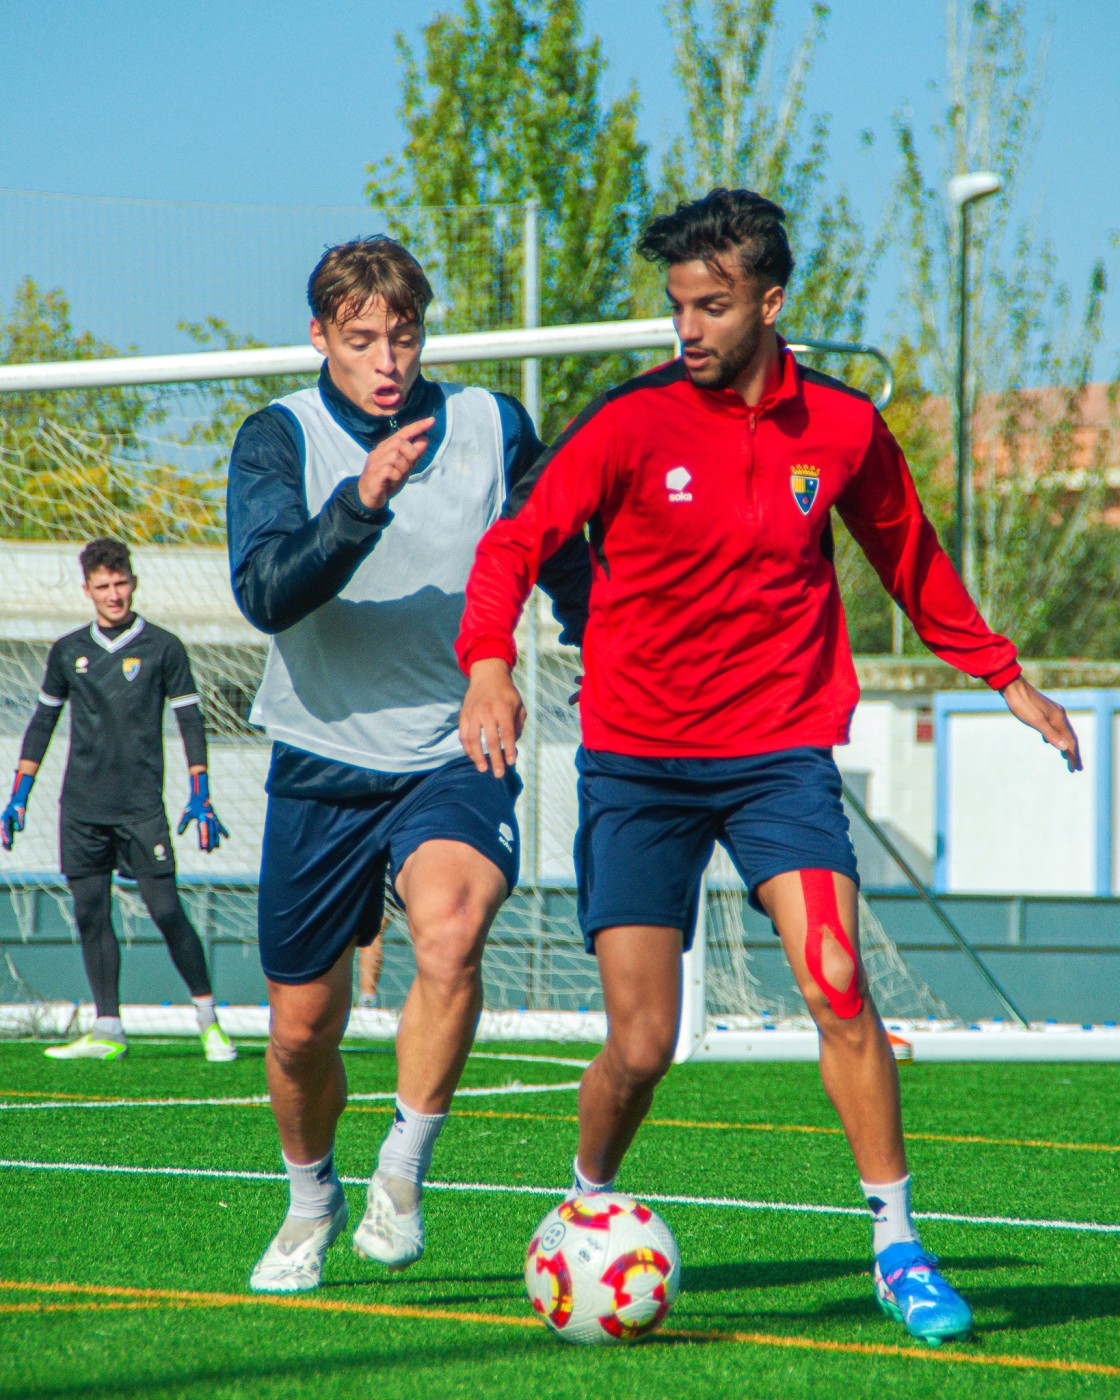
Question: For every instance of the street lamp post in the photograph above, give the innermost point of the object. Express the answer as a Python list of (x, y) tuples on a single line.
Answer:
[(964, 191)]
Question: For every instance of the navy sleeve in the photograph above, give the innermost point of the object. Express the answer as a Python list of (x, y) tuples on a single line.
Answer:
[(285, 563), (565, 575)]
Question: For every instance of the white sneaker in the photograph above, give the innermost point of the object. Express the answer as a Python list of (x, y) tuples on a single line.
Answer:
[(387, 1234), (216, 1045), (296, 1265), (88, 1047)]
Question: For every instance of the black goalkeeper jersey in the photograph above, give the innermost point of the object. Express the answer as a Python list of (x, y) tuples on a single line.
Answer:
[(116, 684)]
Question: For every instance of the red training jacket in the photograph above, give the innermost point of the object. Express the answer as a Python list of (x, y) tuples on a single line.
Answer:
[(716, 628)]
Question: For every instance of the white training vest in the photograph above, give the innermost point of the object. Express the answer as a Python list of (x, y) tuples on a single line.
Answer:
[(370, 678)]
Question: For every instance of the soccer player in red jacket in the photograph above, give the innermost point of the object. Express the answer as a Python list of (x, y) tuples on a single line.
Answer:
[(718, 679)]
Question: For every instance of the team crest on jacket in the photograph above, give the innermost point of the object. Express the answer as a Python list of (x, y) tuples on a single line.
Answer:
[(804, 481), (131, 667)]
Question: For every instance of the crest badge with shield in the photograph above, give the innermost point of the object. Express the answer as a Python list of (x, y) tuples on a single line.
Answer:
[(131, 667), (804, 482)]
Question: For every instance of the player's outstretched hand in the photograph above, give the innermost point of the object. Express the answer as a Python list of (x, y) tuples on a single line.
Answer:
[(198, 809), (14, 816), (492, 717), (388, 465), (1045, 715)]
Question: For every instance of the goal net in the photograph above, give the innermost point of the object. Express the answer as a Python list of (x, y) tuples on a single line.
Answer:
[(146, 463)]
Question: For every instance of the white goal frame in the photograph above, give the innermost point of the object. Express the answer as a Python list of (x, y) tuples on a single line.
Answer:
[(699, 1037)]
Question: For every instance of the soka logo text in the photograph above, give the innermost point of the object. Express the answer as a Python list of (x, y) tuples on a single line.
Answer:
[(804, 482), (131, 667), (676, 483)]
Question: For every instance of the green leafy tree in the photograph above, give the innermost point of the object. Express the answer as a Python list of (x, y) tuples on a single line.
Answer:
[(503, 107), (1048, 566), (743, 128), (748, 123), (78, 463), (217, 408)]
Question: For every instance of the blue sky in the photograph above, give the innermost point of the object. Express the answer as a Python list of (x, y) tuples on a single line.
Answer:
[(285, 102)]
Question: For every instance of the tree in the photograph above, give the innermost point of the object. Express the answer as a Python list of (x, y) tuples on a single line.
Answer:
[(78, 463), (504, 108), (743, 131), (1048, 571), (220, 406)]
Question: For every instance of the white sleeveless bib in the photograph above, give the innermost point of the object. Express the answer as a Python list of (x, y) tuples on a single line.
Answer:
[(370, 678)]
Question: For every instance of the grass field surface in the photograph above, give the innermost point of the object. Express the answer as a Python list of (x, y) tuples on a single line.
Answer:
[(137, 1195)]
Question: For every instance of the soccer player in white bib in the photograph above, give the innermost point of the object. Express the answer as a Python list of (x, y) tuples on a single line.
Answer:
[(354, 512)]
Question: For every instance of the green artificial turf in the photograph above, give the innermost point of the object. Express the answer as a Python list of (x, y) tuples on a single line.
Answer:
[(753, 1278)]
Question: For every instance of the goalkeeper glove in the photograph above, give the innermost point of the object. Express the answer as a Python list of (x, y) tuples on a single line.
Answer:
[(14, 815), (198, 808)]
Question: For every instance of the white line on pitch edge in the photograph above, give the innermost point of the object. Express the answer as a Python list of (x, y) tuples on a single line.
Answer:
[(256, 1100), (723, 1202)]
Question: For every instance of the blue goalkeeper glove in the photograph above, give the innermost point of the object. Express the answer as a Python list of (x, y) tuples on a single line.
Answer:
[(210, 829), (14, 816)]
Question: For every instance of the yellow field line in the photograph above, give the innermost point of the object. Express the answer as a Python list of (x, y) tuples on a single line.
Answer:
[(784, 1128), (183, 1297), (42, 1094), (966, 1139)]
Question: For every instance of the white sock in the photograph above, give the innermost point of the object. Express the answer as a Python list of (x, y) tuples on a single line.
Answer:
[(313, 1187), (109, 1027), (407, 1149), (890, 1211), (586, 1186), (204, 1010)]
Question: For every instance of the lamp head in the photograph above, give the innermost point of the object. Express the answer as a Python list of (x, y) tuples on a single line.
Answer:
[(977, 184)]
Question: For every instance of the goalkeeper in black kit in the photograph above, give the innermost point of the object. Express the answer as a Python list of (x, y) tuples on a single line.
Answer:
[(116, 673)]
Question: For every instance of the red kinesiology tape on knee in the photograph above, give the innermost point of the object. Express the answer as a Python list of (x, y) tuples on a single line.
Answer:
[(822, 914)]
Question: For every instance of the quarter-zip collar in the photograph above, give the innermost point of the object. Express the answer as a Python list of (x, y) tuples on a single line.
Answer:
[(424, 401), (785, 387)]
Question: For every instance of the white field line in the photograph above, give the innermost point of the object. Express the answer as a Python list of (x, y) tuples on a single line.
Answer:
[(529, 1059), (348, 1049), (719, 1202), (258, 1099)]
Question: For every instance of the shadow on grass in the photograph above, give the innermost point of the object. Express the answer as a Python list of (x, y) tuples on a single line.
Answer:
[(1046, 1305), (317, 1369), (771, 1273), (780, 1273)]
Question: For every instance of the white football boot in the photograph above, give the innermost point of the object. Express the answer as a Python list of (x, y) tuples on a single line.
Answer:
[(90, 1046), (293, 1262), (392, 1230), (216, 1045)]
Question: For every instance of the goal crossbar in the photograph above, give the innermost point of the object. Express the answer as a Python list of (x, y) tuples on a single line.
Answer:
[(601, 337)]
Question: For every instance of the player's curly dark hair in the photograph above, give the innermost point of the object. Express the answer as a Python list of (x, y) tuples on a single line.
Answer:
[(105, 553), (704, 229), (350, 275)]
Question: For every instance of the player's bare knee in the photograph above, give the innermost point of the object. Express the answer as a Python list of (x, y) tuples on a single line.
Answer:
[(639, 1061), (449, 953), (296, 1047)]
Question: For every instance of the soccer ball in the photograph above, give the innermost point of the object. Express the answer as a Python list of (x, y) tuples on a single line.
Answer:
[(602, 1268)]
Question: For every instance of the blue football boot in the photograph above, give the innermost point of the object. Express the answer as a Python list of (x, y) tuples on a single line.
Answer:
[(909, 1289)]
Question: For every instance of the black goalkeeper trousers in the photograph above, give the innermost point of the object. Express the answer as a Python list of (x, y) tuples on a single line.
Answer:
[(101, 953)]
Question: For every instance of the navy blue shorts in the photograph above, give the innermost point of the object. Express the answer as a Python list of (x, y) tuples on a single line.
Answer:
[(648, 826), (324, 863)]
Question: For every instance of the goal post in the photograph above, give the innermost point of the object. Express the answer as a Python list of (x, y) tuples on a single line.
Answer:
[(539, 981)]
